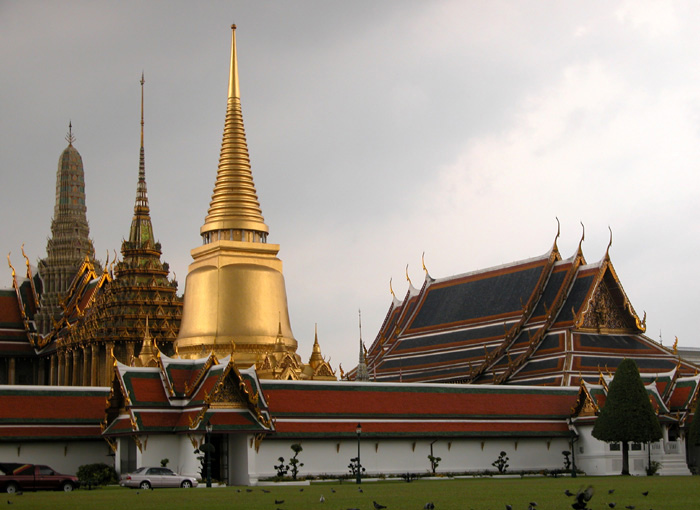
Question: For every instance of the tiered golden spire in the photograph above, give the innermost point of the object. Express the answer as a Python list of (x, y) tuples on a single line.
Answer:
[(234, 211), (141, 233), (235, 289)]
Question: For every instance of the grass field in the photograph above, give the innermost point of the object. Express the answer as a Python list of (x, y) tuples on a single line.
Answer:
[(665, 493)]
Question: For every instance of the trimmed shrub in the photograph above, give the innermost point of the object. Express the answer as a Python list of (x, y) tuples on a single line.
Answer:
[(97, 474)]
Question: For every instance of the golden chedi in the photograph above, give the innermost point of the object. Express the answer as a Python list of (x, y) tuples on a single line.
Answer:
[(235, 296)]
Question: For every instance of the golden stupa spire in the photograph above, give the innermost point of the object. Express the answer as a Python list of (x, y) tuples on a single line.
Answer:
[(235, 289), (234, 211)]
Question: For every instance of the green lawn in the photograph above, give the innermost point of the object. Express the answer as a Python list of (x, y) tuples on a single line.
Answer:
[(665, 493)]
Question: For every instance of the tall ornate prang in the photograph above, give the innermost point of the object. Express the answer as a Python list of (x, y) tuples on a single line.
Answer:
[(140, 297), (70, 241), (235, 291)]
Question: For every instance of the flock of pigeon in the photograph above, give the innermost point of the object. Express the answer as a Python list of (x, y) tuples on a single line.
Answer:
[(581, 500)]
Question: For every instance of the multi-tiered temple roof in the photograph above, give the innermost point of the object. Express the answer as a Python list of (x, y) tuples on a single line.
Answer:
[(544, 320)]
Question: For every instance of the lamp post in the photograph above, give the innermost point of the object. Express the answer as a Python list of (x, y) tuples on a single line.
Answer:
[(208, 427), (359, 432)]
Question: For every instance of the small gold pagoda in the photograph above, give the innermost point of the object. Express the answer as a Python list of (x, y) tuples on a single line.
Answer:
[(235, 296)]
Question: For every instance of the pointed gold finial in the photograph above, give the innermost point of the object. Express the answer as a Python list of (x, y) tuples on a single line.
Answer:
[(69, 137), (234, 90), (142, 82), (391, 289), (408, 278), (234, 204), (422, 260)]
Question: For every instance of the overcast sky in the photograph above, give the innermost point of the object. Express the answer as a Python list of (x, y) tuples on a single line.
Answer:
[(377, 131)]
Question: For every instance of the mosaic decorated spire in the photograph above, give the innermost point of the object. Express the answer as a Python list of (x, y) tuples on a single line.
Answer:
[(70, 241)]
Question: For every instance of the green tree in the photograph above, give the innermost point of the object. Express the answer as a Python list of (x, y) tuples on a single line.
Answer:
[(694, 432), (627, 414), (294, 463)]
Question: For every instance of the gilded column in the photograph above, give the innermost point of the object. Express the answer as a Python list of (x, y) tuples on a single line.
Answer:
[(85, 380), (61, 368), (53, 375), (66, 367), (108, 363), (94, 365), (129, 353), (75, 379)]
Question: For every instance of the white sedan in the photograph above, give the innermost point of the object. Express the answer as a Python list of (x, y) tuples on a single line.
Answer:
[(152, 477)]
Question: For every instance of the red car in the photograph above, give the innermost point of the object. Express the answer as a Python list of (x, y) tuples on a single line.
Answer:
[(30, 477)]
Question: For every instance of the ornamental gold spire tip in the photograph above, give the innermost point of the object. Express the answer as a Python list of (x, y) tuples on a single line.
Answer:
[(234, 210), (233, 84), (142, 82)]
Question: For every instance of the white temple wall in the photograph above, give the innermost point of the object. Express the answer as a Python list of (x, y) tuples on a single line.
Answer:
[(177, 448), (598, 458), (188, 462), (247, 466), (63, 456), (398, 456)]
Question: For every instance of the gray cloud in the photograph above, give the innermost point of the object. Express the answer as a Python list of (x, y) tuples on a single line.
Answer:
[(377, 131)]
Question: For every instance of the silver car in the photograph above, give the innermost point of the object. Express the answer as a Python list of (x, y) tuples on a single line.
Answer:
[(152, 477)]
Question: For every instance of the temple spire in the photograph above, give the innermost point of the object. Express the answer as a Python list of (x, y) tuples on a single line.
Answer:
[(142, 82), (70, 235), (234, 211), (362, 372), (141, 231)]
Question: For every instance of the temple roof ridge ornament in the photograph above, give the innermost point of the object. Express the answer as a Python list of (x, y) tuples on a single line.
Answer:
[(234, 204), (555, 248), (580, 243)]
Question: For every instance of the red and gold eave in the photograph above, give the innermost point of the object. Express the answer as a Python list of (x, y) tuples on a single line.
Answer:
[(43, 413), (182, 396), (333, 409), (673, 396)]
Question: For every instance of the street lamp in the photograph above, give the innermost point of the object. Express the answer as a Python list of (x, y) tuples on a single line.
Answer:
[(208, 427), (359, 432)]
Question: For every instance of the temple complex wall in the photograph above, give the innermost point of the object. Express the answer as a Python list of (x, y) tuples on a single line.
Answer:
[(399, 456), (63, 456)]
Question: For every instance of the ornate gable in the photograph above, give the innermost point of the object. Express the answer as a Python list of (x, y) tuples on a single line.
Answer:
[(607, 308), (228, 395)]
